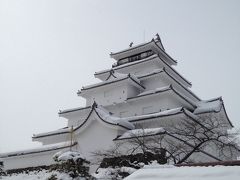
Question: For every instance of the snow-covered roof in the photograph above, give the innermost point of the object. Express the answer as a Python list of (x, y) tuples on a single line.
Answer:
[(45, 148), (164, 89), (113, 75), (170, 112), (213, 105), (141, 132), (209, 105), (123, 77), (150, 58), (73, 110), (163, 172), (103, 115), (56, 132), (165, 71), (154, 45)]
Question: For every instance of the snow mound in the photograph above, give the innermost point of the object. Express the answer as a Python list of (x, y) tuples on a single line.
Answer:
[(65, 156), (186, 173)]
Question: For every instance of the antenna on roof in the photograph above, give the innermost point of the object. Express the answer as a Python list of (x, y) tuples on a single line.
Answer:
[(130, 45), (144, 35)]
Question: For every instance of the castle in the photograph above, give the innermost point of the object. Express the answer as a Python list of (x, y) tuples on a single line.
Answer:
[(142, 89)]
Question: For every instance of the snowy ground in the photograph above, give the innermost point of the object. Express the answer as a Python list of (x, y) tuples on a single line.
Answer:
[(41, 175), (150, 172), (159, 172)]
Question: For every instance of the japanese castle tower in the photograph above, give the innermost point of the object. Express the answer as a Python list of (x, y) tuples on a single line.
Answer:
[(141, 89)]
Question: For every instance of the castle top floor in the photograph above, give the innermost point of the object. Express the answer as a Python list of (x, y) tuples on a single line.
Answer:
[(142, 51)]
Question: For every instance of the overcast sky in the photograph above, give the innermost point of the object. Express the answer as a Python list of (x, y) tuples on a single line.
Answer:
[(51, 48)]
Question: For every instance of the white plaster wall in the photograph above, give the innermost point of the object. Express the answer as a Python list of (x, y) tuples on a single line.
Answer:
[(166, 121), (132, 91), (31, 160), (113, 94), (164, 101), (155, 82), (162, 80), (96, 136)]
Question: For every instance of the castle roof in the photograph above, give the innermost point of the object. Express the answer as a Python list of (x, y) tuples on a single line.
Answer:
[(165, 71), (73, 110), (162, 90), (154, 57), (129, 77), (102, 114), (154, 45)]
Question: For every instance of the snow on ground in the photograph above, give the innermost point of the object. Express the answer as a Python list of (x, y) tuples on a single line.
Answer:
[(41, 175), (112, 173), (161, 172)]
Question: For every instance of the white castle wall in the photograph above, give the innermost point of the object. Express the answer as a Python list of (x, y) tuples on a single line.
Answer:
[(153, 103), (31, 160), (106, 96), (96, 136)]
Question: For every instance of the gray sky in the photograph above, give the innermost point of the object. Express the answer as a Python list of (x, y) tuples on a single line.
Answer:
[(51, 48)]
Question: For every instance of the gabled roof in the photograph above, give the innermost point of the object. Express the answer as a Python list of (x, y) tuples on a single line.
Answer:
[(154, 44), (129, 76), (102, 115), (161, 90), (45, 148)]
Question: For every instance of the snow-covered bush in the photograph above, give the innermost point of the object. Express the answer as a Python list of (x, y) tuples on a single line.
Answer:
[(73, 163), (2, 173), (113, 173), (115, 165)]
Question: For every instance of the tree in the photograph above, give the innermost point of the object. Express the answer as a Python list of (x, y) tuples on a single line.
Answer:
[(179, 142)]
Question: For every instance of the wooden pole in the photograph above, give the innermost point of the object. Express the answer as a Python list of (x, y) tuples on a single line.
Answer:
[(71, 140)]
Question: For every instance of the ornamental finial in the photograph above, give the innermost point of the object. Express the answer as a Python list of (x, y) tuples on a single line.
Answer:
[(130, 45), (158, 37)]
